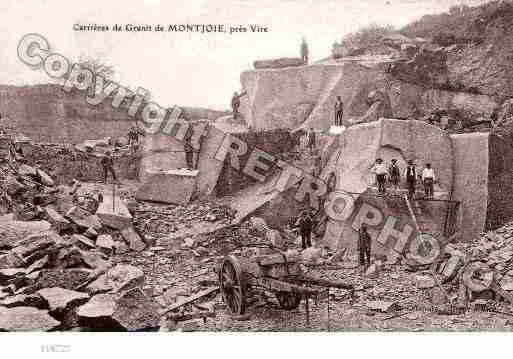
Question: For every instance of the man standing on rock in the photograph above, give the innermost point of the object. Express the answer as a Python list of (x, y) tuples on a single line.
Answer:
[(380, 171), (411, 179), (339, 111), (364, 245), (107, 163), (236, 103), (189, 152), (394, 174), (305, 224), (428, 178), (304, 51), (311, 140)]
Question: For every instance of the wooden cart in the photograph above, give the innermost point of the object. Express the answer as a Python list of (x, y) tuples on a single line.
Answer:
[(278, 273)]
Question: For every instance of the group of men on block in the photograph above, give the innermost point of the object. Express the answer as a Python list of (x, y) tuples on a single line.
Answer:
[(392, 173)]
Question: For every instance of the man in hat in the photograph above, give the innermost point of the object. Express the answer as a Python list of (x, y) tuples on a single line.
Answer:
[(394, 174), (305, 225), (108, 166), (411, 178), (380, 171), (364, 245), (428, 178)]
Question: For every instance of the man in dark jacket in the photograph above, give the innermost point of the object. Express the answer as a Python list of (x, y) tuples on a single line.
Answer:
[(108, 166), (394, 174), (364, 245), (411, 178), (339, 111), (189, 152), (305, 224)]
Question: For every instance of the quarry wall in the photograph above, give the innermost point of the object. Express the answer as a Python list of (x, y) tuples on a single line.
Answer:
[(304, 96), (46, 113)]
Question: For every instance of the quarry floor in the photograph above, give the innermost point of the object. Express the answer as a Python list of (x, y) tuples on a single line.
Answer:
[(175, 270)]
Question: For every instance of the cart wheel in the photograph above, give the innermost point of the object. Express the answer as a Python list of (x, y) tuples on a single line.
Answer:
[(288, 300), (232, 285)]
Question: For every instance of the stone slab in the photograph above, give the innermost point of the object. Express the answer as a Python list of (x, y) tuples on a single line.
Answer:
[(168, 186)]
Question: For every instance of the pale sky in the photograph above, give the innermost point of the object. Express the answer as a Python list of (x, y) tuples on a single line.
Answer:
[(192, 69)]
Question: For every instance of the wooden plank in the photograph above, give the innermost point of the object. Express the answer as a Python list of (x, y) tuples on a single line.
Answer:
[(188, 300), (281, 286), (277, 258)]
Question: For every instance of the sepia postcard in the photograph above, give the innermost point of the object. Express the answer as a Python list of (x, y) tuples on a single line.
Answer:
[(256, 166)]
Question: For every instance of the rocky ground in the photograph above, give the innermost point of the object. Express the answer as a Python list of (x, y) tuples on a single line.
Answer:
[(65, 266)]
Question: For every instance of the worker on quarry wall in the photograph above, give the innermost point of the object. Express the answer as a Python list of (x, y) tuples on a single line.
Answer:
[(339, 111), (133, 137), (364, 245), (411, 178), (394, 174), (305, 225), (311, 140), (381, 172), (428, 178), (304, 51), (107, 163), (236, 103), (189, 152)]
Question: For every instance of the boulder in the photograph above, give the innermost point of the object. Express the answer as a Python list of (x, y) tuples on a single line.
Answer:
[(116, 279), (62, 278), (83, 219), (82, 242), (120, 247), (26, 170), (58, 222), (12, 232), (133, 239), (382, 306), (424, 281), (38, 264), (26, 319), (45, 178), (130, 311), (11, 260), (60, 300), (10, 273), (24, 300), (116, 216), (94, 260), (105, 242)]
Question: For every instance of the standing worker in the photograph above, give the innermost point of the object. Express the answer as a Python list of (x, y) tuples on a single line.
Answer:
[(304, 51), (394, 174), (236, 104), (108, 166), (339, 111), (411, 179), (381, 175), (364, 245), (428, 178), (311, 140), (305, 224), (189, 152)]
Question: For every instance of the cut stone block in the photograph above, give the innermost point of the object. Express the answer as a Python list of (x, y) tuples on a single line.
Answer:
[(170, 186), (114, 215)]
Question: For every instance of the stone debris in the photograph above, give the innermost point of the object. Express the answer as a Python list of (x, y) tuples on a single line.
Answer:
[(26, 319)]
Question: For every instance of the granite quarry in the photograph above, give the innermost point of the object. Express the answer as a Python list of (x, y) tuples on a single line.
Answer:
[(146, 252)]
